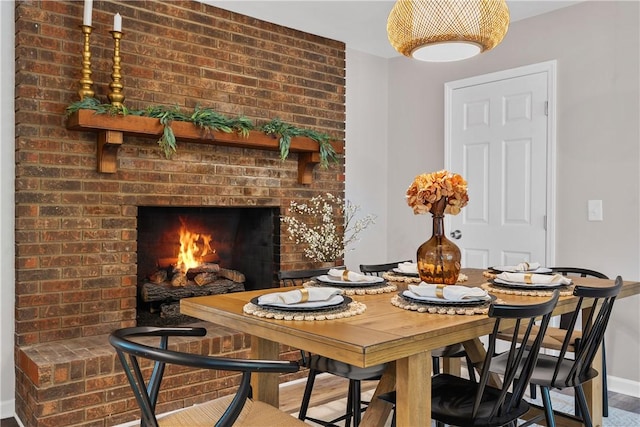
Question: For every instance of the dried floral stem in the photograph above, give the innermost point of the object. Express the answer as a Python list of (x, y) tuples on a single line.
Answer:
[(315, 225)]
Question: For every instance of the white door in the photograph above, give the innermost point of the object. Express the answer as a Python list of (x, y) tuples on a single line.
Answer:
[(499, 140)]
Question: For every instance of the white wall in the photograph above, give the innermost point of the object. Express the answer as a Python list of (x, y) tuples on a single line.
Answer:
[(7, 174), (598, 146), (366, 153)]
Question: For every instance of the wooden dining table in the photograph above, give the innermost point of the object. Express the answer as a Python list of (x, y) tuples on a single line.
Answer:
[(383, 333)]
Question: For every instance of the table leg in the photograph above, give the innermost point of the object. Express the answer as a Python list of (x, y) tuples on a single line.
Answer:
[(378, 410), (413, 390), (451, 365), (477, 353), (265, 386), (593, 391)]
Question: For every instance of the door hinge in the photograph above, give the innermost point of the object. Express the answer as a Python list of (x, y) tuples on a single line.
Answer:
[(544, 223), (546, 108)]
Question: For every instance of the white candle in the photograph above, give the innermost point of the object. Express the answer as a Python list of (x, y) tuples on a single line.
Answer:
[(88, 6), (117, 22)]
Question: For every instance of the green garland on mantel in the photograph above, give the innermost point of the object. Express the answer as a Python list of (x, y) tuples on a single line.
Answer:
[(208, 119)]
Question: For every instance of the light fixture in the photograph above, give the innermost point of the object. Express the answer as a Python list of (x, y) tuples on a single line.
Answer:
[(446, 30)]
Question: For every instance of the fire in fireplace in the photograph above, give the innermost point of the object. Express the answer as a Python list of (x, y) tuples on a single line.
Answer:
[(187, 251)]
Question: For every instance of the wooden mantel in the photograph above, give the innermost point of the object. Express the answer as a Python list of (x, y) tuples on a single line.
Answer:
[(111, 129)]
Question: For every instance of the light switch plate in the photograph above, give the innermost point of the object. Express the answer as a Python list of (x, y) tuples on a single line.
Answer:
[(594, 210)]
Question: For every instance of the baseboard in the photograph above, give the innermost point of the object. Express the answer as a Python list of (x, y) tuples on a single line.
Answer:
[(7, 408), (623, 386)]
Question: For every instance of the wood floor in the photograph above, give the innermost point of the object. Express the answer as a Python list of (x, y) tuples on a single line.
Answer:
[(329, 388)]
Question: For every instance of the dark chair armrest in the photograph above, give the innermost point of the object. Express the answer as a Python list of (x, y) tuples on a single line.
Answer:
[(161, 355)]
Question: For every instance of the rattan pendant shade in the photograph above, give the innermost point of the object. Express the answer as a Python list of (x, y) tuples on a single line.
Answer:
[(446, 30)]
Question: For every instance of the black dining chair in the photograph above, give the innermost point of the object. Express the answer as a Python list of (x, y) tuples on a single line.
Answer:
[(136, 346), (298, 277), (560, 371), (556, 335), (455, 351), (379, 269), (557, 332), (321, 364), (489, 403)]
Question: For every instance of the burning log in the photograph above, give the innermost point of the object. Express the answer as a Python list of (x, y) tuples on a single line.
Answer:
[(204, 278), (179, 279), (234, 275), (152, 292), (158, 276), (204, 268), (173, 261), (201, 269)]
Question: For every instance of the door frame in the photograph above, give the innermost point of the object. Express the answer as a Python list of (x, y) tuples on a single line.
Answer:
[(548, 67)]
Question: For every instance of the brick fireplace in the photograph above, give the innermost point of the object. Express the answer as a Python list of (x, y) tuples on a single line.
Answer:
[(77, 251), (195, 251)]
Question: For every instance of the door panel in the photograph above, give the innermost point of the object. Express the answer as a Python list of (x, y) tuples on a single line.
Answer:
[(476, 161), (498, 143), (517, 182)]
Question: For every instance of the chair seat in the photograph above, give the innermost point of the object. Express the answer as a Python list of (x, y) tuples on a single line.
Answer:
[(452, 403), (344, 370), (544, 373), (254, 414), (553, 338)]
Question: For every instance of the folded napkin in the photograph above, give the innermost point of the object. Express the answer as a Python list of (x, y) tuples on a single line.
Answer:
[(527, 266), (528, 278), (314, 294), (449, 292), (408, 267), (348, 276)]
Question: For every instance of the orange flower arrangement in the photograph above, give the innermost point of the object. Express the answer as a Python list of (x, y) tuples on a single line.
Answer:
[(429, 188)]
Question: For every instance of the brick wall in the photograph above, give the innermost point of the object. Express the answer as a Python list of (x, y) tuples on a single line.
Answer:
[(81, 383), (76, 227)]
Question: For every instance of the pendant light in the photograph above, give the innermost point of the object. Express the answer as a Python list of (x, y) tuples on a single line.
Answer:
[(446, 30)]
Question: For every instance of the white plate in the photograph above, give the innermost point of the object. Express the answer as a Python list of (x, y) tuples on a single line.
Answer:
[(405, 273), (325, 278), (528, 285), (512, 269), (334, 300), (415, 296)]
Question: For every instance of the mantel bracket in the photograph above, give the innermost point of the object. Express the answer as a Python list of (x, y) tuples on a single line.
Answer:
[(109, 141), (306, 163)]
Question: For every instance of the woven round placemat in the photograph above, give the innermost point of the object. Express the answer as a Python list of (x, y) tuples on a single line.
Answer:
[(383, 288), (565, 291), (352, 309), (401, 302)]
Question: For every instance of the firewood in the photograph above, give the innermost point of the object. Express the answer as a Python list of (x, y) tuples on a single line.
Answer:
[(170, 310), (167, 262), (159, 276), (179, 279), (234, 275), (205, 268), (202, 268), (204, 278), (152, 292)]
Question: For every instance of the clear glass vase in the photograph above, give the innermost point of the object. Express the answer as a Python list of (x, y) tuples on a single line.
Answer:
[(438, 258)]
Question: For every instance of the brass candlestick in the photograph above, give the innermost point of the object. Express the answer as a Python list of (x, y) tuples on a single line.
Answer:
[(85, 81), (116, 97)]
